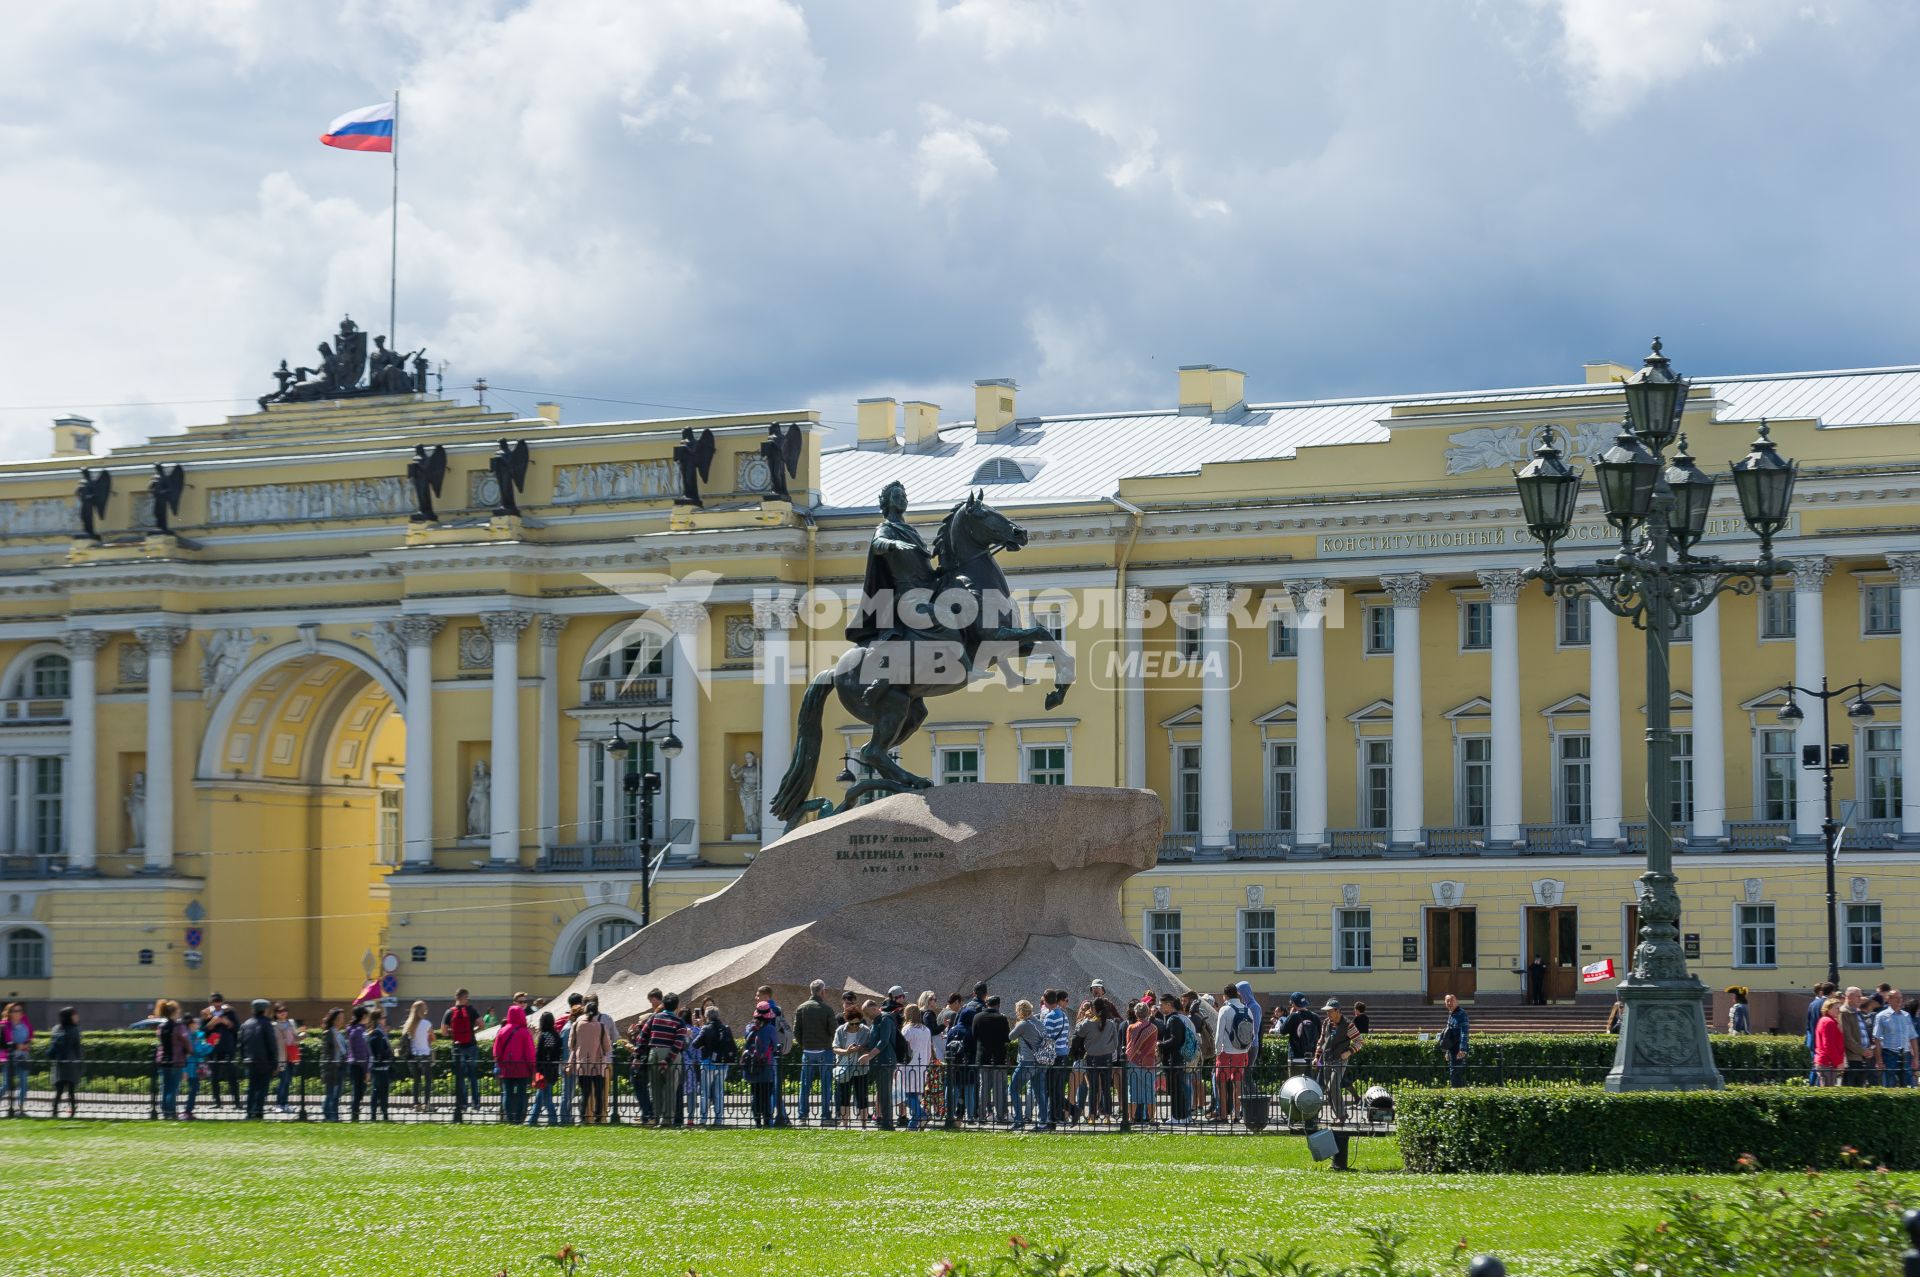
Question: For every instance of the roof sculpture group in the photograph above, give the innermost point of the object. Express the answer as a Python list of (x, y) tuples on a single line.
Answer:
[(343, 361)]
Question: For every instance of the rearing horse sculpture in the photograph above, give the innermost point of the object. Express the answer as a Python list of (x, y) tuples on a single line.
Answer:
[(937, 641)]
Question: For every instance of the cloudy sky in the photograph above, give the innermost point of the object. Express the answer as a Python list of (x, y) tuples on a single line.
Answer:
[(721, 204)]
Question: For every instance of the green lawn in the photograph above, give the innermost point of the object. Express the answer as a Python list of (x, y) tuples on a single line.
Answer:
[(127, 1198)]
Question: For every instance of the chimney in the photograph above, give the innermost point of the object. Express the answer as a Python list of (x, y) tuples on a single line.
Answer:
[(993, 405), (549, 412), (72, 436), (1209, 391), (923, 423), (877, 420), (1602, 371)]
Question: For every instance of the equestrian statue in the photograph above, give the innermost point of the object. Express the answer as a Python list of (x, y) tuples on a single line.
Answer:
[(929, 622)]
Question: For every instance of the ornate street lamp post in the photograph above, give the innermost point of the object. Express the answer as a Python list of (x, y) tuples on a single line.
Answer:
[(1830, 756), (1660, 510), (646, 784)]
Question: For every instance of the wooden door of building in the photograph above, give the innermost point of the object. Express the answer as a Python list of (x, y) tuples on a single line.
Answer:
[(1553, 936), (1453, 953)]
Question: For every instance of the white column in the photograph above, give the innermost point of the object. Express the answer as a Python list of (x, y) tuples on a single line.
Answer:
[(1603, 726), (81, 800), (1133, 690), (21, 765), (611, 795), (1908, 566), (160, 640), (547, 802), (7, 791), (773, 618), (1709, 732), (418, 631), (504, 629), (1310, 712), (1409, 767), (1216, 719), (1504, 801), (1809, 665), (689, 622)]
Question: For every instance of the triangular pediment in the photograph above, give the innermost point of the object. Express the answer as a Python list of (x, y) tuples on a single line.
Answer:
[(1283, 713), (1380, 711), (1474, 707), (1188, 717), (1575, 704)]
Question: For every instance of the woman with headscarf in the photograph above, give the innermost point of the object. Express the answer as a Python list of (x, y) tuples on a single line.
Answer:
[(513, 1058), (589, 1057), (757, 1062)]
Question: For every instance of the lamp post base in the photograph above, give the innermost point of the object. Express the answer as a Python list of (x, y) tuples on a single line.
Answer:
[(1663, 1039)]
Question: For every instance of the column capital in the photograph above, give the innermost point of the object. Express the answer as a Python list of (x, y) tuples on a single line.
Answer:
[(775, 612), (418, 631), (1907, 564), (1309, 594), (551, 626), (1405, 588), (506, 627), (84, 644), (161, 639), (1134, 604), (1810, 573), (1503, 585), (685, 617), (1211, 598)]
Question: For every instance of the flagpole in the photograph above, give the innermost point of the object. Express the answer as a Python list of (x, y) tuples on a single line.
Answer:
[(393, 246)]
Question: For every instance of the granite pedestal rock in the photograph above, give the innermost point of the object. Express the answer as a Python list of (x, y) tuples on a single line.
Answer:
[(1017, 885)]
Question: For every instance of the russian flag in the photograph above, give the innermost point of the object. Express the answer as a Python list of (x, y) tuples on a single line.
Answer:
[(368, 129)]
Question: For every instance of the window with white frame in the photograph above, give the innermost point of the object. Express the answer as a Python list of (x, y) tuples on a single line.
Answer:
[(1576, 621), (389, 827), (1280, 785), (1256, 940), (959, 764), (1680, 779), (632, 671), (1779, 773), (26, 954), (1476, 625), (1046, 764), (1776, 614), (46, 814), (1051, 618), (50, 677), (1683, 629), (1186, 789), (1191, 637), (1163, 937), (1754, 936), (1353, 939), (1473, 780), (1376, 784), (1881, 768), (1860, 935), (602, 936), (1283, 637), (1880, 609), (616, 814), (1377, 624), (1573, 778)]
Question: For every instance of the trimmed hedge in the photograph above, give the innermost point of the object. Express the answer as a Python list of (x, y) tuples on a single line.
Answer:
[(1501, 1058), (1582, 1130)]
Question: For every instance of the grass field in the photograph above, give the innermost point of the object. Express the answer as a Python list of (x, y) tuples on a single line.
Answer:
[(140, 1198)]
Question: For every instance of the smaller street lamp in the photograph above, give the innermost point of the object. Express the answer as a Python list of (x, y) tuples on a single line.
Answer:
[(1827, 757), (646, 785)]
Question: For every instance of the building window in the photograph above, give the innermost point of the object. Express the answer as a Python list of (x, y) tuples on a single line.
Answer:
[(1280, 790), (602, 936), (1779, 759), (1473, 763), (1882, 609), (1573, 779), (1883, 773), (960, 765), (1353, 940), (1256, 940), (1683, 629), (50, 677), (1046, 764), (1776, 614), (633, 673), (1163, 937), (1860, 935), (26, 955), (1680, 779), (1186, 789), (1754, 936), (46, 816), (1053, 621), (1476, 625), (1379, 629), (1576, 621), (389, 831), (616, 816), (1376, 784), (1283, 638)]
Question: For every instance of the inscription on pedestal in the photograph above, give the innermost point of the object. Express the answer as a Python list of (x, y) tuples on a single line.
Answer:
[(891, 853)]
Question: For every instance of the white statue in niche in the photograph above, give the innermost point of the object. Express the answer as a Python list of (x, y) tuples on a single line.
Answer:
[(746, 774), (480, 802), (137, 809)]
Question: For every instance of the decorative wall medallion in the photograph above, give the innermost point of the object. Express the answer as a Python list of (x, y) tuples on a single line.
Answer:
[(1447, 893), (1667, 1036), (740, 638), (1549, 891), (483, 493), (476, 649), (750, 473), (1754, 889), (1162, 897), (1858, 886), (133, 665), (1256, 897), (1350, 894)]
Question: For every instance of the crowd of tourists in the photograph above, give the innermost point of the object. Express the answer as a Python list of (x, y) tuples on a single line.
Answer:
[(1860, 1039)]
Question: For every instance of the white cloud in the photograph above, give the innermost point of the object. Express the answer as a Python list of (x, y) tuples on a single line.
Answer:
[(1619, 51), (952, 153)]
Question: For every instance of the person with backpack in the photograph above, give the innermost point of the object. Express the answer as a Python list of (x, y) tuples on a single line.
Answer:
[(718, 1050), (1301, 1031), (549, 1053), (661, 1046), (1179, 1048), (172, 1052), (782, 1044), (757, 1060), (1453, 1042), (263, 1054), (1033, 1058), (379, 1065), (460, 1024), (885, 1049), (1237, 1036)]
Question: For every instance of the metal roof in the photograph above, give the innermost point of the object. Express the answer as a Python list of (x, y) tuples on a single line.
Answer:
[(1084, 458)]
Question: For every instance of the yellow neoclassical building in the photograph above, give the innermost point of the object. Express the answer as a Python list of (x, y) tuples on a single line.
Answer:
[(300, 734)]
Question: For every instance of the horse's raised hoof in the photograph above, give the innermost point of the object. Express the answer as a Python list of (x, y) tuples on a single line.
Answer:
[(1055, 697)]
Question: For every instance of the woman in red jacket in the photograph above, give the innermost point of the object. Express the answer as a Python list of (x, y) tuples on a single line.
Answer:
[(1829, 1044), (513, 1052)]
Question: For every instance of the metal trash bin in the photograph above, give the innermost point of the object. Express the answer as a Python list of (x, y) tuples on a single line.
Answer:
[(1256, 1111)]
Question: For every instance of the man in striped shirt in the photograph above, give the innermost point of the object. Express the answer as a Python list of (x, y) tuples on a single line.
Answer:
[(1893, 1033), (1058, 1025), (663, 1041)]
